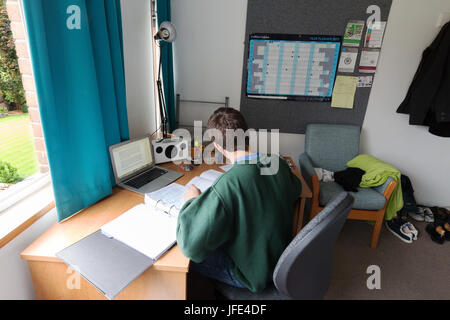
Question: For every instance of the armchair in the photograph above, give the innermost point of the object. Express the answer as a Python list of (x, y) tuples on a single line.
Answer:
[(330, 147)]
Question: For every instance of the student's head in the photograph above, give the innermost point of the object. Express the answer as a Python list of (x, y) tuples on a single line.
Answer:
[(229, 122)]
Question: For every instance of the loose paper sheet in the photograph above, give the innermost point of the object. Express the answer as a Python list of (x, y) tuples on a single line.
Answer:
[(344, 92)]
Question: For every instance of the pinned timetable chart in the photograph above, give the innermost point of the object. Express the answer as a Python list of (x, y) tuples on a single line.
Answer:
[(294, 67)]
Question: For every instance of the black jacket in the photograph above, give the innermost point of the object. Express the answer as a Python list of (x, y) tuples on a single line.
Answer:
[(428, 98)]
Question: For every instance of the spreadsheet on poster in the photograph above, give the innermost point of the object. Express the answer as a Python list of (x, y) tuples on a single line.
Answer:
[(297, 67)]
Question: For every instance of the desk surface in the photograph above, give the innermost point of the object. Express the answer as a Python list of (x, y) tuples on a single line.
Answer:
[(89, 220)]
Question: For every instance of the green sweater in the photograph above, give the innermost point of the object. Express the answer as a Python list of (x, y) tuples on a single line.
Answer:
[(247, 214)]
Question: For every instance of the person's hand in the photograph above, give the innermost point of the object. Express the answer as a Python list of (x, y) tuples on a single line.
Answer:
[(191, 193)]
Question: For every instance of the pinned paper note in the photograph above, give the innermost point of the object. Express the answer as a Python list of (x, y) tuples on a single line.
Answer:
[(365, 81), (348, 59), (353, 33), (374, 35), (344, 92), (369, 60)]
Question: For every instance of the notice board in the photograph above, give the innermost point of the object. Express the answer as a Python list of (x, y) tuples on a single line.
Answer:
[(320, 18)]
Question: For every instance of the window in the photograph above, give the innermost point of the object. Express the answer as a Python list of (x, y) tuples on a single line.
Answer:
[(25, 186)]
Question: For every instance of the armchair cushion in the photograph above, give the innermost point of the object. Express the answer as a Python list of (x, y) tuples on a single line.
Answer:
[(383, 187), (365, 198)]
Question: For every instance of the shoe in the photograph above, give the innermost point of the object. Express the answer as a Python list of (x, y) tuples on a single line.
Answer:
[(417, 215), (428, 214), (394, 226), (404, 229), (436, 232), (446, 227), (412, 230), (441, 215)]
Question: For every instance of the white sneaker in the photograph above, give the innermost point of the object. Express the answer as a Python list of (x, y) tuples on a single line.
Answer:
[(412, 229), (419, 215), (405, 230), (428, 214)]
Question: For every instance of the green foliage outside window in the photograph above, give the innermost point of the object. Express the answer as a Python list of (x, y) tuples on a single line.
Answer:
[(11, 88), (8, 173)]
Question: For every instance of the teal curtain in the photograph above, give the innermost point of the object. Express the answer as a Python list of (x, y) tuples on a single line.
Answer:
[(77, 55), (163, 14)]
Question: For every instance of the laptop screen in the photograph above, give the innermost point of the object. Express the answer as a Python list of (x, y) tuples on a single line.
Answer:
[(132, 157)]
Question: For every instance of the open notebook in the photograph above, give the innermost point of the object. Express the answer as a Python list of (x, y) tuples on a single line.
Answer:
[(112, 257), (144, 228), (170, 199)]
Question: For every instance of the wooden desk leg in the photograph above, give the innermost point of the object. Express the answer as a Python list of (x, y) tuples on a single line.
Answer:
[(301, 215)]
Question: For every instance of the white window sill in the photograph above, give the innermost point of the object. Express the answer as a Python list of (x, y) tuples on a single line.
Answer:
[(24, 203)]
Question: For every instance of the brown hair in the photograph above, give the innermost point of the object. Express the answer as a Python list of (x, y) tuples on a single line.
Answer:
[(226, 119)]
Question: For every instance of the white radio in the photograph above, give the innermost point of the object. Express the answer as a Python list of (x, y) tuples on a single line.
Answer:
[(170, 149)]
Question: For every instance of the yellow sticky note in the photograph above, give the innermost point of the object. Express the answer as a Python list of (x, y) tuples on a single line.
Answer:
[(344, 92)]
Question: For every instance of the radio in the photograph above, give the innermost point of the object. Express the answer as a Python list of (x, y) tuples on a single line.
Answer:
[(170, 149)]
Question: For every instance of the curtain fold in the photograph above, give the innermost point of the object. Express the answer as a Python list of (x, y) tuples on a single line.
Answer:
[(164, 14), (80, 83)]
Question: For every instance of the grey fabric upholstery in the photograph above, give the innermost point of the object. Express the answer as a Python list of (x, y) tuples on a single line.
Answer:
[(331, 146), (365, 198), (383, 187), (304, 269), (306, 169)]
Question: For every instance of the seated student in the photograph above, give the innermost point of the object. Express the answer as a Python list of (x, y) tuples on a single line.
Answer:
[(237, 229)]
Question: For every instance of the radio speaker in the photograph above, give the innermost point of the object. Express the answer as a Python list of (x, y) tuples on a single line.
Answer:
[(171, 149)]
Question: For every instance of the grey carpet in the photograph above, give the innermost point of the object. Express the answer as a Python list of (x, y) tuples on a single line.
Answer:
[(420, 270)]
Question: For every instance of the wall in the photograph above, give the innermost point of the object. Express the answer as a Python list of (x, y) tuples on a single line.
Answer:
[(15, 279), (423, 157), (138, 57), (209, 56)]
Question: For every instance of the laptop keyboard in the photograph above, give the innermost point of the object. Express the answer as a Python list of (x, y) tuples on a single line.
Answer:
[(146, 177)]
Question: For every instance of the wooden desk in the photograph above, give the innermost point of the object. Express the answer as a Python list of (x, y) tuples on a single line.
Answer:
[(166, 279)]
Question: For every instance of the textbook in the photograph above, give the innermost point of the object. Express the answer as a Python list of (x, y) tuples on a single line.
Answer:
[(170, 199)]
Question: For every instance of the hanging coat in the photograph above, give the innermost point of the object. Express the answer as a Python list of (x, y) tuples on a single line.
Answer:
[(428, 98)]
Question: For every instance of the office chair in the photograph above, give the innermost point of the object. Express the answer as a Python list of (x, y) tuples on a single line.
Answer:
[(303, 271)]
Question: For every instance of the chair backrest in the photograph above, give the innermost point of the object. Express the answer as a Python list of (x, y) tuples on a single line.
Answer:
[(304, 269), (331, 146)]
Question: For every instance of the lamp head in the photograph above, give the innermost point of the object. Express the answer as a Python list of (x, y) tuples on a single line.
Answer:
[(166, 32)]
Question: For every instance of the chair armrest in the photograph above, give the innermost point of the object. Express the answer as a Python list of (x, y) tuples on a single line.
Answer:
[(306, 168), (384, 187)]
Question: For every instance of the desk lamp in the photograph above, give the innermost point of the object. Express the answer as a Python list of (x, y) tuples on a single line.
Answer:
[(166, 33)]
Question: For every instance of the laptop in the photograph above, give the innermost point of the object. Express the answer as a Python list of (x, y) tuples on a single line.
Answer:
[(134, 167)]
